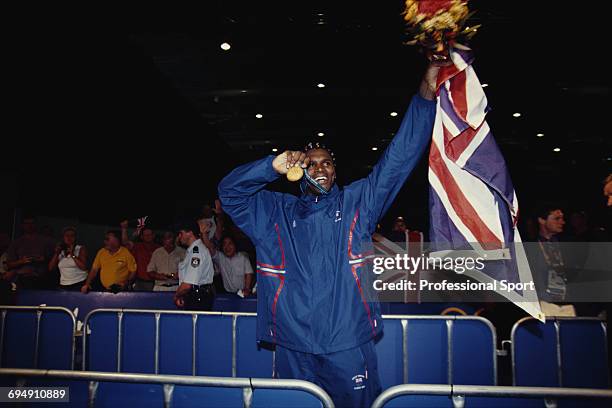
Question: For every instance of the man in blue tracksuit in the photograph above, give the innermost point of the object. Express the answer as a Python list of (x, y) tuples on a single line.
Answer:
[(311, 302)]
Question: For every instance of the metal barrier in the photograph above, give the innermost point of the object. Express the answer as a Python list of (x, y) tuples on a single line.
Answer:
[(558, 344), (405, 319), (247, 384), (458, 393), (39, 314), (157, 313)]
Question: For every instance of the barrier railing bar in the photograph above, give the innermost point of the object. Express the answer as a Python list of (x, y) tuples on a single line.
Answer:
[(2, 336), (234, 321), (488, 391), (37, 337), (449, 350), (119, 338), (168, 393), (558, 350), (156, 343), (230, 382), (604, 327), (92, 390), (405, 350), (194, 349)]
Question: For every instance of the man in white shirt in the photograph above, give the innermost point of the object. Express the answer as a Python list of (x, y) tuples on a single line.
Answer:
[(195, 291), (235, 267), (163, 266)]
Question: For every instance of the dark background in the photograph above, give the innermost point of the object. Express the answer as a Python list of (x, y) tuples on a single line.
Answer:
[(125, 113)]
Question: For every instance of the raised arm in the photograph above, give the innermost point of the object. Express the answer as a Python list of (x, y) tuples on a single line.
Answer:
[(403, 153), (242, 195)]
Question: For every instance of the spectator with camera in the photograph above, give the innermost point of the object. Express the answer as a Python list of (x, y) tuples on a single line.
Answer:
[(71, 260)]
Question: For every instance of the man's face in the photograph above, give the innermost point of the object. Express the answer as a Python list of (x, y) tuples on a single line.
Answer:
[(321, 169), (229, 248), (608, 193), (553, 224), (111, 242), (168, 240), (399, 226), (28, 226), (184, 237), (148, 236)]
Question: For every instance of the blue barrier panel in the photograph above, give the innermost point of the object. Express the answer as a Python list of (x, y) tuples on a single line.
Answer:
[(19, 339), (427, 345), (473, 351), (534, 353), (213, 345), (421, 401), (251, 359), (267, 398), (389, 353), (192, 397), (55, 342), (583, 353), (112, 394), (138, 343), (101, 349), (175, 344)]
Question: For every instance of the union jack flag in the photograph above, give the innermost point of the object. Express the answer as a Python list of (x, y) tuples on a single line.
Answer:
[(473, 202)]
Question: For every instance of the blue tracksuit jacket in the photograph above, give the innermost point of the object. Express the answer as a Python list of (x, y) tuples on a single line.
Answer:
[(309, 257)]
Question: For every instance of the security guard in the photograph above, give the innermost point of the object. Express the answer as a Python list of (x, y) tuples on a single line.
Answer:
[(195, 291)]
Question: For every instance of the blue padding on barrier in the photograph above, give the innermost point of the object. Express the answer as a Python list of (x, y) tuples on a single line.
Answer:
[(487, 402), (473, 353), (427, 352), (535, 354), (175, 344), (389, 354), (55, 347), (102, 342), (252, 360), (113, 395), (583, 354), (266, 398), (189, 396), (214, 346), (19, 339), (420, 401), (138, 343)]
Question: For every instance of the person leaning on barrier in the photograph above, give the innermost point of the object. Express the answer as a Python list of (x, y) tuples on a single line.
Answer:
[(116, 265), (195, 291)]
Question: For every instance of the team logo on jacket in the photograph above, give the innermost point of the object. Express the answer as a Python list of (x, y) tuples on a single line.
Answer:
[(358, 382), (195, 262)]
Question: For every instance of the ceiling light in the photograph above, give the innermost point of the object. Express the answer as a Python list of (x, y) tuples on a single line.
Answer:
[(259, 116), (275, 149), (320, 85), (540, 135), (375, 148), (516, 115), (556, 149), (394, 114), (320, 134), (225, 46), (485, 85)]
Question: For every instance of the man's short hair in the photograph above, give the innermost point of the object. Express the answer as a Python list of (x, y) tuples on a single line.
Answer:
[(187, 226), (545, 210), (116, 234), (608, 179), (319, 145)]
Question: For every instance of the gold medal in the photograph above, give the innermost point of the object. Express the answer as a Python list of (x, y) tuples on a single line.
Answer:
[(295, 173)]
